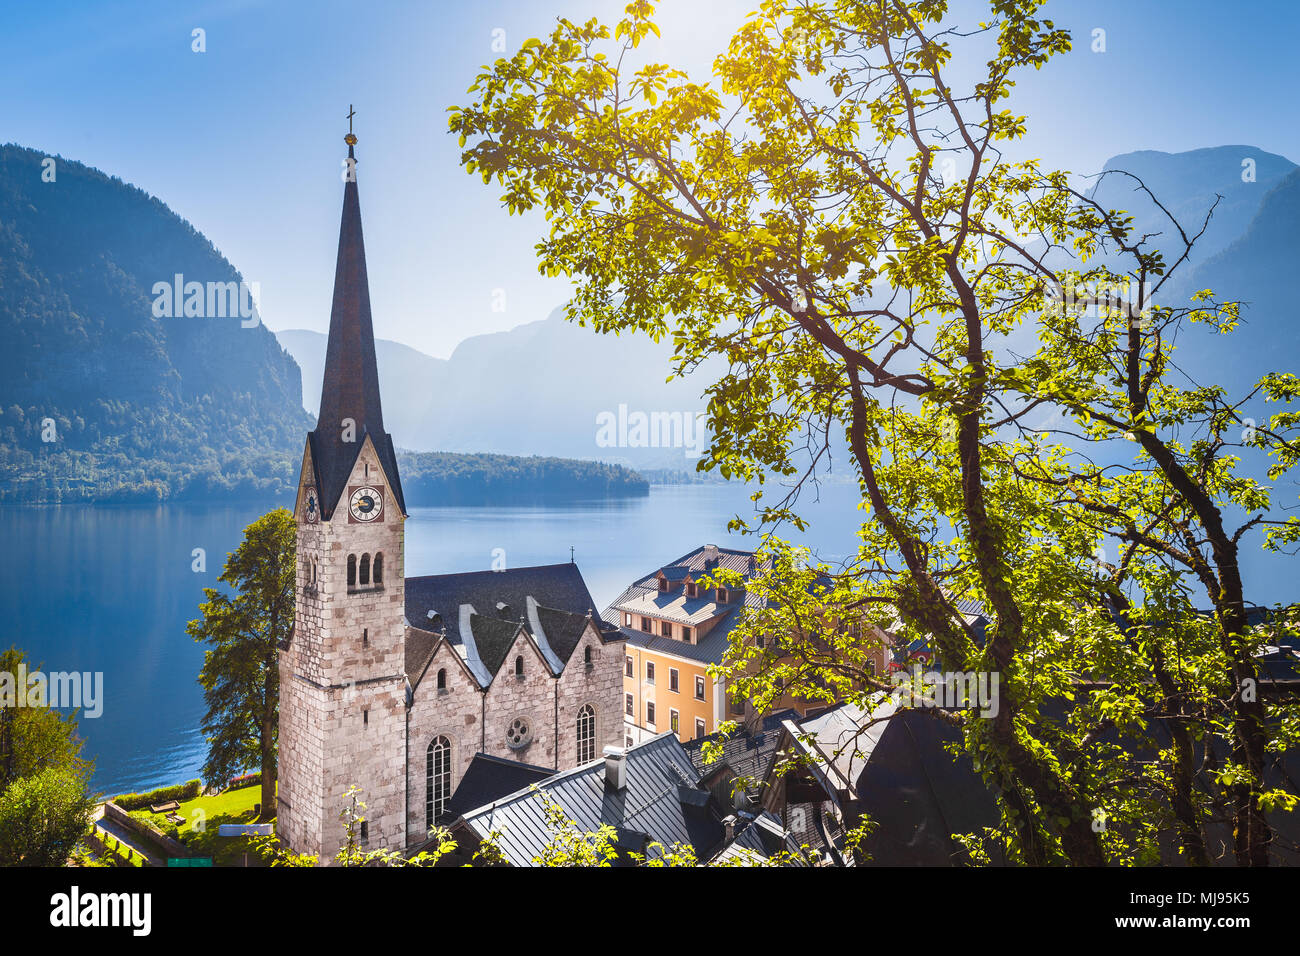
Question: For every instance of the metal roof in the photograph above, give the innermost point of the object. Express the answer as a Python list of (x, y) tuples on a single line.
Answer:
[(489, 778), (663, 801)]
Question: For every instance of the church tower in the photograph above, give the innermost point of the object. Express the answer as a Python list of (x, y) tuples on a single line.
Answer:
[(342, 673)]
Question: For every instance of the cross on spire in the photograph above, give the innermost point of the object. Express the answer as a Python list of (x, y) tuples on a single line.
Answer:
[(351, 138)]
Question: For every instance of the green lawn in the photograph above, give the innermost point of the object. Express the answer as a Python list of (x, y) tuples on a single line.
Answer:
[(204, 815)]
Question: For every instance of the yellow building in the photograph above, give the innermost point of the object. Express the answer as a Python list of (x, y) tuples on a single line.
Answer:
[(676, 628)]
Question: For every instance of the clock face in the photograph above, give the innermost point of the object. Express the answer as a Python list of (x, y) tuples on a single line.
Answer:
[(366, 504), (312, 508)]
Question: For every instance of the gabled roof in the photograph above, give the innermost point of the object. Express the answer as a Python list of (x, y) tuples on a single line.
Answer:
[(489, 778), (644, 597), (674, 572), (564, 629), (747, 755), (350, 385), (763, 837), (663, 801), (482, 612), (494, 638), (892, 765), (419, 647), (557, 586)]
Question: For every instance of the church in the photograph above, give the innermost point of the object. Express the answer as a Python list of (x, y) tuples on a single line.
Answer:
[(392, 684)]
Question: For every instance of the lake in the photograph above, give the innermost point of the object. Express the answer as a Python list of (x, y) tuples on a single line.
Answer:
[(110, 589)]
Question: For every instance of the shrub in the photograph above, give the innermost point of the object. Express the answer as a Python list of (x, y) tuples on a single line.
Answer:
[(181, 791)]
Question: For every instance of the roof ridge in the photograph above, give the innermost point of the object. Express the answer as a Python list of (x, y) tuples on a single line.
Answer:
[(465, 574)]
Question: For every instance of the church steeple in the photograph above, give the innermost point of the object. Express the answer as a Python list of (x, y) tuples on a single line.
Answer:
[(349, 406)]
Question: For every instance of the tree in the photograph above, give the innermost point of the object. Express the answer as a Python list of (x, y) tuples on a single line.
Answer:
[(35, 738), (43, 817), (44, 807), (838, 221), (240, 676)]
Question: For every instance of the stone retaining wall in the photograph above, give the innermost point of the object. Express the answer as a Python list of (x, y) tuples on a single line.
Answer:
[(172, 846)]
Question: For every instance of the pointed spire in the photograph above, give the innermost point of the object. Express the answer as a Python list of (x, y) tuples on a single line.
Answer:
[(350, 386)]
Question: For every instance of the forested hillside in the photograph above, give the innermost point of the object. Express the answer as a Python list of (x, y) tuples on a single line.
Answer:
[(448, 478), (100, 399)]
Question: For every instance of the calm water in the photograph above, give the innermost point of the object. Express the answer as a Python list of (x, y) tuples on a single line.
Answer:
[(110, 589)]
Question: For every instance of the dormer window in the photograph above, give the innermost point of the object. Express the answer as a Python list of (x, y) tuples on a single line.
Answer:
[(692, 589), (723, 596), (686, 634), (663, 584)]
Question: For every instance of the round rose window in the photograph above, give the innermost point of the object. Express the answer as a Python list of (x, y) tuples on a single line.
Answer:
[(519, 734)]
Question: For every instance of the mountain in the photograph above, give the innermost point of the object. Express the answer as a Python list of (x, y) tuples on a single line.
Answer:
[(542, 388), (107, 389), (403, 372), (1255, 269), (1187, 184)]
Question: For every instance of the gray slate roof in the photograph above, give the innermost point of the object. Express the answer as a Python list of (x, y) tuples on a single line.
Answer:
[(663, 801), (644, 596), (747, 755), (489, 778), (350, 385), (893, 762), (481, 613)]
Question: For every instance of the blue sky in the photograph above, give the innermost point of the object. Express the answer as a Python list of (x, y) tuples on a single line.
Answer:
[(245, 140)]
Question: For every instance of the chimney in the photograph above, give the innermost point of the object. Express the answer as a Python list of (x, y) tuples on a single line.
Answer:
[(729, 827), (711, 552), (615, 768)]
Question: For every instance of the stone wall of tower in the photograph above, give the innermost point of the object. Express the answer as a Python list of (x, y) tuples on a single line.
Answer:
[(342, 708)]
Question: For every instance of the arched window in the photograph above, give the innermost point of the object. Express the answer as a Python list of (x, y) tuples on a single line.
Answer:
[(519, 666), (437, 779), (586, 734), (352, 570), (442, 678), (365, 569), (379, 567)]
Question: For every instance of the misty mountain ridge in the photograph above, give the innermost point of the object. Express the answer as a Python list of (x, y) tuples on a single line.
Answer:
[(110, 393), (545, 387), (179, 407)]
